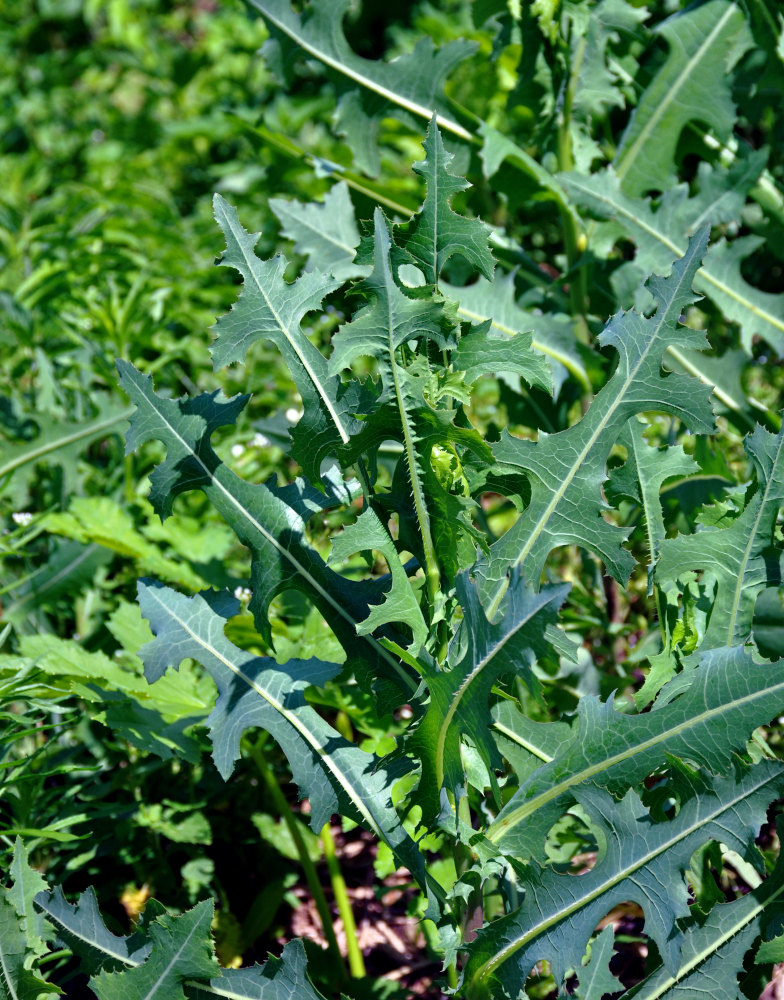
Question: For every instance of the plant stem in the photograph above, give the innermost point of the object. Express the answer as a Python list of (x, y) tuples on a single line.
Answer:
[(578, 286), (356, 963), (364, 480), (279, 799), (432, 571)]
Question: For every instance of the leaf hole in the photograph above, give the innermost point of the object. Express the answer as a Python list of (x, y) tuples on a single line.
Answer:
[(630, 943), (498, 511), (574, 844)]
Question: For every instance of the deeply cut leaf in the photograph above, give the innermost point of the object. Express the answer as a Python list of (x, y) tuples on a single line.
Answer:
[(739, 558), (658, 234), (704, 42), (566, 469), (271, 309), (643, 862), (336, 776), (482, 652), (437, 232), (273, 531), (727, 696)]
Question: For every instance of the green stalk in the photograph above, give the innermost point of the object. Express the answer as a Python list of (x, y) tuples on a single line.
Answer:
[(279, 799), (356, 963), (432, 571), (573, 240)]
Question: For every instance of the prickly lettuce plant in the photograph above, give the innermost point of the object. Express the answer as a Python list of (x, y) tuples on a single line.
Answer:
[(467, 628), (557, 552)]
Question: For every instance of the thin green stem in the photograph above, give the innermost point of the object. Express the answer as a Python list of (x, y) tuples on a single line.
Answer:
[(432, 571), (279, 799), (364, 480), (573, 240), (356, 962), (661, 614)]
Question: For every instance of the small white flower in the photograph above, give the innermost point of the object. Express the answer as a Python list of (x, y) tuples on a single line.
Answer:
[(260, 441), (243, 594), (23, 517), (293, 414), (237, 450)]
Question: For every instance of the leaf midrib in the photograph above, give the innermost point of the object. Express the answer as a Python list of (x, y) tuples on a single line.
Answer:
[(125, 959), (7, 973), (304, 221), (706, 953), (739, 583), (551, 352), (420, 503), (703, 272), (53, 580), (518, 739), (77, 435), (285, 553), (361, 79), (154, 989), (446, 721)]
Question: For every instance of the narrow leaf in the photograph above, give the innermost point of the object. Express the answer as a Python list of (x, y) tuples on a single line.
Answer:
[(399, 603), (272, 530), (27, 883), (413, 82), (379, 330), (437, 232), (658, 234), (389, 320), (16, 981), (459, 695), (641, 478), (269, 308)]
